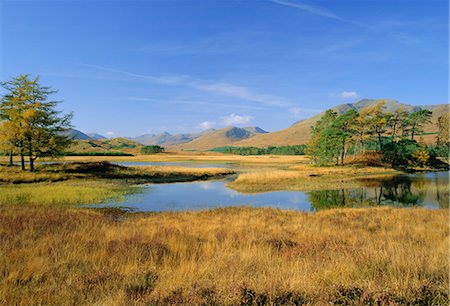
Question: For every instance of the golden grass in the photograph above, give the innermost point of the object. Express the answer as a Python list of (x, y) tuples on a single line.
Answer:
[(107, 171), (211, 157), (384, 256), (307, 178), (63, 193)]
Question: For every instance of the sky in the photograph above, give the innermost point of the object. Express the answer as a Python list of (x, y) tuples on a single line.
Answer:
[(127, 68)]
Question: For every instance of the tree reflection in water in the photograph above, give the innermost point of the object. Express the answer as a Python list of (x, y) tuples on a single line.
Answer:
[(399, 191)]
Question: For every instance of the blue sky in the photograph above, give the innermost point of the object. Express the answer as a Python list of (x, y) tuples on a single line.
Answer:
[(132, 67)]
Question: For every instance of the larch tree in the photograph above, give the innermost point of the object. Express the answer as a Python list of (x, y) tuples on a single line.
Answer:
[(32, 124)]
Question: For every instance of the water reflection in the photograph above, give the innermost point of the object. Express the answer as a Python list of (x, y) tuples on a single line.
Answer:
[(427, 190)]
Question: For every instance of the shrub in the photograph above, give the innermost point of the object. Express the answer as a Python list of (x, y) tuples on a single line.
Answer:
[(151, 149)]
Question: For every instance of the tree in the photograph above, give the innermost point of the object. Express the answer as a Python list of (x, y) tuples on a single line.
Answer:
[(417, 120), (151, 149), (32, 124), (344, 129), (323, 146), (376, 121), (397, 122)]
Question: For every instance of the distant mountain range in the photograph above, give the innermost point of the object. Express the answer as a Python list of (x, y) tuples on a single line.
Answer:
[(298, 133)]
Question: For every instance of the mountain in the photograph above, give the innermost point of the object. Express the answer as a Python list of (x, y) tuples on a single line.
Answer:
[(299, 132), (167, 139), (255, 130), (102, 145), (96, 136), (219, 138), (76, 134)]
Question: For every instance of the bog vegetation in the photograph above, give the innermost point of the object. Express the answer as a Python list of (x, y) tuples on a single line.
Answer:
[(230, 256), (393, 134)]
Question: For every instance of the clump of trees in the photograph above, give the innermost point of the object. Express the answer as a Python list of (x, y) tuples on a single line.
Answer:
[(30, 124), (272, 150), (394, 134), (151, 149)]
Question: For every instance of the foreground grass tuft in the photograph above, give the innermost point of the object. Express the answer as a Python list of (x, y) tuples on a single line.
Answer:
[(231, 256)]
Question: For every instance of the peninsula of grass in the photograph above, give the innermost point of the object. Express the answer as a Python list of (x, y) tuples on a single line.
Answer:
[(104, 170), (230, 256), (90, 182), (306, 177)]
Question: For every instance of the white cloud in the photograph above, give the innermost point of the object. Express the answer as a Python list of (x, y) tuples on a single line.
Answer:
[(206, 125), (295, 111), (349, 95), (109, 133), (236, 119)]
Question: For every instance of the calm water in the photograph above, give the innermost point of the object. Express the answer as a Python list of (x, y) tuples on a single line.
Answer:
[(178, 164), (429, 190)]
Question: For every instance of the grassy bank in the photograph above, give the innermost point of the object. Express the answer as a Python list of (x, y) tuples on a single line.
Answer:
[(306, 177), (106, 171), (225, 256), (89, 183)]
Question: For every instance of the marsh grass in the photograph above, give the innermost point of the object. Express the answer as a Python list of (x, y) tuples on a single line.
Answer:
[(89, 183), (307, 178), (81, 192), (107, 171), (231, 256)]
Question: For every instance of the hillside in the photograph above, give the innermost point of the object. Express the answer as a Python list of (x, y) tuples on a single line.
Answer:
[(105, 145), (96, 136), (167, 139), (299, 132), (219, 138), (76, 134)]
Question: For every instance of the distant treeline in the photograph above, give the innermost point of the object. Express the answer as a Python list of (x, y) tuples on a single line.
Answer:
[(98, 154), (152, 149), (282, 150)]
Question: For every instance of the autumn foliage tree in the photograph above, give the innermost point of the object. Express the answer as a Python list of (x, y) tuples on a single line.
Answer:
[(31, 125), (390, 133)]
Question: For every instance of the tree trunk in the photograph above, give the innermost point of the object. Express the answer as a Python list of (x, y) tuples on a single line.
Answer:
[(11, 161), (31, 164), (380, 141), (22, 161), (343, 152)]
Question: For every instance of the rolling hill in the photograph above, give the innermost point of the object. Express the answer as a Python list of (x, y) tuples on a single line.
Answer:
[(299, 132), (167, 139), (219, 138), (105, 145)]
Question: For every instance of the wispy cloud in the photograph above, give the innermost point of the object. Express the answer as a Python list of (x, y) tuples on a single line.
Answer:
[(313, 9), (219, 88), (236, 119), (316, 10)]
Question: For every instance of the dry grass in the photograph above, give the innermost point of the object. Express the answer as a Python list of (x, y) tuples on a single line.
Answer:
[(307, 178), (383, 256), (106, 171), (204, 157), (63, 193)]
